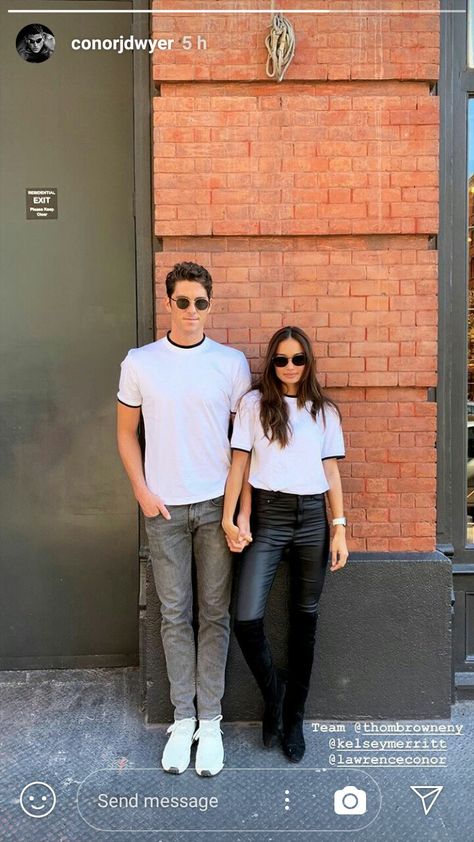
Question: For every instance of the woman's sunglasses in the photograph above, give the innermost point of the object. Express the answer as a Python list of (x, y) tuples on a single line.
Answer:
[(183, 303), (280, 361)]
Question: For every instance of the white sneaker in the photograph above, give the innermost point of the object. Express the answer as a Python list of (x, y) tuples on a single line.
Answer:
[(177, 753), (210, 751)]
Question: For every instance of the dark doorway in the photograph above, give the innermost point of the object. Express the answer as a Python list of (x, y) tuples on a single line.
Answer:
[(69, 524)]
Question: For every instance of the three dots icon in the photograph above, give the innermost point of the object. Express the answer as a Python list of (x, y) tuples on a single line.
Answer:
[(287, 800)]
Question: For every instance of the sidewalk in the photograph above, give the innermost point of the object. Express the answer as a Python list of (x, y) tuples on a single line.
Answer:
[(60, 727)]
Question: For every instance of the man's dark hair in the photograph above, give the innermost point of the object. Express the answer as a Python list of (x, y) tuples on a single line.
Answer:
[(35, 29), (188, 272)]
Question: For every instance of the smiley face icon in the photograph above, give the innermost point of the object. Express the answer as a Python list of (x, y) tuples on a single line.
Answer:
[(37, 799)]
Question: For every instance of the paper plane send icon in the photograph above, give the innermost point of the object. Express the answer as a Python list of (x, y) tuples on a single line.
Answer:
[(428, 795)]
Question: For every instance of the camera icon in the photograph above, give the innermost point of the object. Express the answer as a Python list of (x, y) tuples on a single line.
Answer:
[(350, 801)]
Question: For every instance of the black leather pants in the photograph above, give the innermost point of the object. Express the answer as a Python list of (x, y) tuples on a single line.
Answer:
[(281, 521), (299, 523)]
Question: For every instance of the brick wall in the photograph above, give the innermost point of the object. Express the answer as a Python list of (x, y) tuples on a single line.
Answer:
[(312, 202)]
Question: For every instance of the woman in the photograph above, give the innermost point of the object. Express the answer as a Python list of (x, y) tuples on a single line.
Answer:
[(291, 432)]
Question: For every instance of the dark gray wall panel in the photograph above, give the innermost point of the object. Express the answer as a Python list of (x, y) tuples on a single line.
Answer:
[(383, 647), (69, 525)]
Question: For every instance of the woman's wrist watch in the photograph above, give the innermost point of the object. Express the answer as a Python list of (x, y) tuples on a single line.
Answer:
[(339, 521)]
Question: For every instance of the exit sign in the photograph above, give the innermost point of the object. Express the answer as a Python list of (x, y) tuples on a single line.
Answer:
[(41, 203)]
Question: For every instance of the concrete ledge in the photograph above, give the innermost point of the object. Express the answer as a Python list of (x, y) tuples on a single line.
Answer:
[(383, 649)]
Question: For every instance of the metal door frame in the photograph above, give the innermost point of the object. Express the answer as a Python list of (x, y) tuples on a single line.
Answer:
[(144, 252), (456, 85)]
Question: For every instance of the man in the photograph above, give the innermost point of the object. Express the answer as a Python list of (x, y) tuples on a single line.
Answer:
[(187, 386), (37, 45)]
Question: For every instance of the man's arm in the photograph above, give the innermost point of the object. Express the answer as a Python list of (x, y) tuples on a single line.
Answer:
[(128, 419)]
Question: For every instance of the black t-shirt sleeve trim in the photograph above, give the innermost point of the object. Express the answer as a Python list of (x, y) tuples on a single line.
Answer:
[(242, 449), (332, 457), (131, 405)]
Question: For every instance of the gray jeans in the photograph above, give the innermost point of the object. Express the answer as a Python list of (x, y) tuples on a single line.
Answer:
[(194, 528)]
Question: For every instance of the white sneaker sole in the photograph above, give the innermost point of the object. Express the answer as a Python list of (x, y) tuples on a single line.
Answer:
[(206, 773), (173, 770)]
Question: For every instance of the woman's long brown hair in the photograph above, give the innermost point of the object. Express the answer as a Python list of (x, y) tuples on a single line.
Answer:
[(274, 415)]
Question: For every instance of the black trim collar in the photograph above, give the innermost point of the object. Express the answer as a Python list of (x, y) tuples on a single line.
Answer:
[(176, 344)]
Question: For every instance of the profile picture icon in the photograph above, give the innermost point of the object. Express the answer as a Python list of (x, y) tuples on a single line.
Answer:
[(35, 43)]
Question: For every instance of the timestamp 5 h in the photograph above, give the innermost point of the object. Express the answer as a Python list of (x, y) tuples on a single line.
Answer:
[(193, 42)]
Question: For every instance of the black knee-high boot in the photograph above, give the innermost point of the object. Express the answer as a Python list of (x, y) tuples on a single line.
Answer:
[(256, 651), (302, 636)]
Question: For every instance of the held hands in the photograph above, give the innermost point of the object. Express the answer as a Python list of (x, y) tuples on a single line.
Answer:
[(339, 551), (237, 537), (152, 505)]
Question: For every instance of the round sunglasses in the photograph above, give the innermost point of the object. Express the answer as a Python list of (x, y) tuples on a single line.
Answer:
[(280, 361), (182, 302)]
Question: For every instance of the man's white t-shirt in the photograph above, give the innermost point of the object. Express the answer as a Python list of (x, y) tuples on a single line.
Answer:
[(298, 467), (186, 395)]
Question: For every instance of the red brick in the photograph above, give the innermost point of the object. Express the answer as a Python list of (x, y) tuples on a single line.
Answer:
[(262, 172)]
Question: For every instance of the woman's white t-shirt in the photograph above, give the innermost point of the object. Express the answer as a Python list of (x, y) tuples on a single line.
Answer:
[(298, 467)]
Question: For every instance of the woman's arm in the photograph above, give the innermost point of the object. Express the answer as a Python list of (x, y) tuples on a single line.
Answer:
[(235, 480), (245, 499), (339, 551)]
